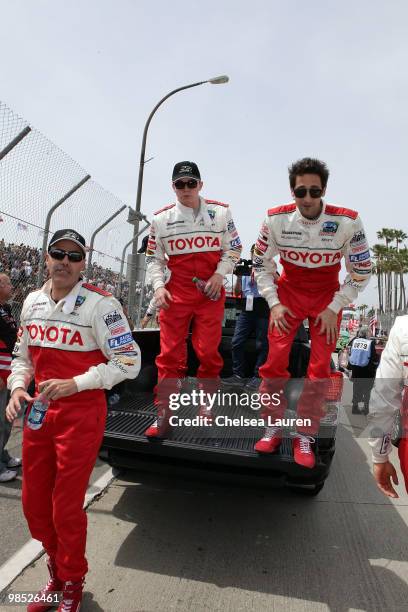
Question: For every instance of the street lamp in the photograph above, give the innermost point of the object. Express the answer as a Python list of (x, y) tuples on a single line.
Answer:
[(219, 80)]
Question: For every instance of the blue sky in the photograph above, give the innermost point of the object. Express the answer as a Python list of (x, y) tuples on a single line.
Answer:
[(323, 78)]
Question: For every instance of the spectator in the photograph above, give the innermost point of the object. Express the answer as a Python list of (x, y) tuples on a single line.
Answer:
[(364, 362), (8, 337), (27, 269), (14, 274), (253, 318)]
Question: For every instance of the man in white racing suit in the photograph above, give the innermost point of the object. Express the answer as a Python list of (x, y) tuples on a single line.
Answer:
[(311, 237), (75, 341), (193, 237), (390, 395)]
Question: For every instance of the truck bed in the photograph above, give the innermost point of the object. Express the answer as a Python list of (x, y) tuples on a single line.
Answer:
[(216, 449)]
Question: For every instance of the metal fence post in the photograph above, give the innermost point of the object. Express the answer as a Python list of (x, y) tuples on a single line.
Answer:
[(15, 142), (91, 244), (139, 306), (122, 263), (47, 225)]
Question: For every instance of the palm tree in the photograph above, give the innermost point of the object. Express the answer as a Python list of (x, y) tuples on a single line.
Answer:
[(386, 234), (390, 268), (399, 236), (401, 268), (380, 253), (362, 310)]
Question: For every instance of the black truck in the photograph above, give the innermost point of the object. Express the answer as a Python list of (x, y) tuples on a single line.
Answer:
[(218, 452)]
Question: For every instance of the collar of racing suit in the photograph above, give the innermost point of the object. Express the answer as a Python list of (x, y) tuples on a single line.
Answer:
[(188, 212), (68, 302)]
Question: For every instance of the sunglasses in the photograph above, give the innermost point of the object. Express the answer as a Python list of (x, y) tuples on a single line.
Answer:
[(315, 192), (59, 255), (191, 184)]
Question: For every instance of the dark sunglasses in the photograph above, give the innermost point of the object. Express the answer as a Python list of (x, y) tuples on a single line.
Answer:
[(191, 184), (59, 255), (315, 192)]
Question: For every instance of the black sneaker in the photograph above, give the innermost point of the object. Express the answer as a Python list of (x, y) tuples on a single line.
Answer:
[(234, 381), (253, 383)]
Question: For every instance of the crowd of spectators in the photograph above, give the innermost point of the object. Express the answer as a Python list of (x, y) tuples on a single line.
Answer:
[(21, 263)]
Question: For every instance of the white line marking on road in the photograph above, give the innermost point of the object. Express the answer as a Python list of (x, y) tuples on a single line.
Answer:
[(33, 549)]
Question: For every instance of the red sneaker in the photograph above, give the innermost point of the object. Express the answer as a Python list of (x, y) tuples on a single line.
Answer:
[(160, 428), (54, 584), (302, 450), (271, 440), (71, 596)]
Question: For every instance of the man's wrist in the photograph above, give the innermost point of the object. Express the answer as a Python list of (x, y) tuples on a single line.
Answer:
[(380, 460), (334, 306)]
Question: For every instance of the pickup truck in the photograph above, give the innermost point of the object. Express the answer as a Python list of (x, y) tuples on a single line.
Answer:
[(223, 453)]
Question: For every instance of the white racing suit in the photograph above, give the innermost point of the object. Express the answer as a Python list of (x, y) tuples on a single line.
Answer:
[(310, 252), (85, 336), (191, 247), (390, 394)]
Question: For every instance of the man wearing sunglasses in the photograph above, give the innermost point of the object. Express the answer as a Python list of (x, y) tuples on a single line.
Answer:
[(75, 341), (311, 238), (193, 237)]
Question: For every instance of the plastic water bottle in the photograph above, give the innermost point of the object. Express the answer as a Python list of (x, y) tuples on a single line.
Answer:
[(200, 284), (38, 411)]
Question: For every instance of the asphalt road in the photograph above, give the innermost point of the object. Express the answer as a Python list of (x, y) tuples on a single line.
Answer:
[(159, 543), (13, 527)]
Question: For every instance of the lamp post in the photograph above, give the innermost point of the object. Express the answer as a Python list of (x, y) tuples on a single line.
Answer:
[(214, 81)]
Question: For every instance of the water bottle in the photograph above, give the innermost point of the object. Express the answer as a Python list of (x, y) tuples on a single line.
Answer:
[(38, 411), (200, 284)]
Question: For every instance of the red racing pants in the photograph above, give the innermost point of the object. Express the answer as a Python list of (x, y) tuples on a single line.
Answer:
[(274, 373), (403, 457), (403, 444), (58, 460), (206, 316)]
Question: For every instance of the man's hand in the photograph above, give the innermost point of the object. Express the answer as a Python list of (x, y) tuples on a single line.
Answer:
[(384, 473), (145, 321), (328, 324), (213, 287), (14, 405), (162, 297), (278, 318), (55, 388), (238, 287)]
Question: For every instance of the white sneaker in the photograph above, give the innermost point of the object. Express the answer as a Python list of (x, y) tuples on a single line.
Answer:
[(14, 462), (7, 475)]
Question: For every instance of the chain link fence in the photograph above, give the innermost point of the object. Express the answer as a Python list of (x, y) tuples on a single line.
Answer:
[(35, 175)]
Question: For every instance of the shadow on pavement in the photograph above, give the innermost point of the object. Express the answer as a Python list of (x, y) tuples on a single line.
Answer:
[(272, 541)]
